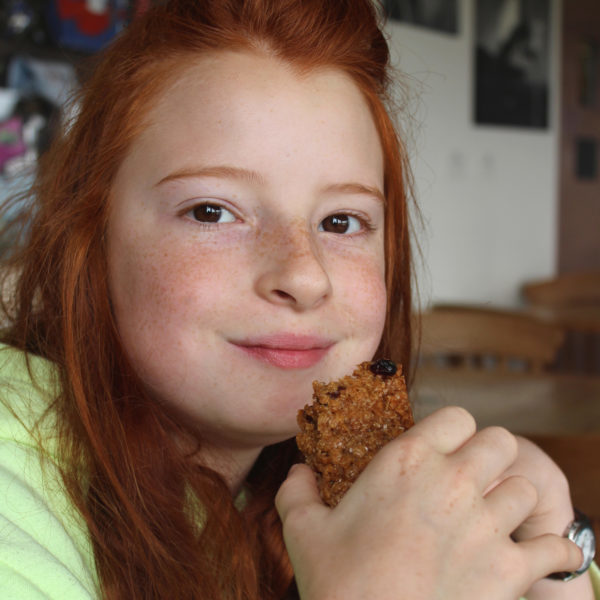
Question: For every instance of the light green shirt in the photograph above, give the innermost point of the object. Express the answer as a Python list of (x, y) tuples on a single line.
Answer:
[(45, 550)]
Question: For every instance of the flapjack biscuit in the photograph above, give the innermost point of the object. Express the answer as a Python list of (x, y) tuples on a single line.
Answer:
[(349, 421)]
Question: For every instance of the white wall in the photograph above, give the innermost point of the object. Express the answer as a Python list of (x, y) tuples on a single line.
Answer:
[(488, 195)]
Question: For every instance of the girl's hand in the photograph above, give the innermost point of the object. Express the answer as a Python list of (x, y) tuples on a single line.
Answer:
[(552, 514), (416, 523)]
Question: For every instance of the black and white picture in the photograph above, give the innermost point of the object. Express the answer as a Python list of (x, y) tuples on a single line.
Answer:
[(512, 62), (433, 14)]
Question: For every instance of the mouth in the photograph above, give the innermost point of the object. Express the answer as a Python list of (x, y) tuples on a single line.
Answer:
[(287, 351)]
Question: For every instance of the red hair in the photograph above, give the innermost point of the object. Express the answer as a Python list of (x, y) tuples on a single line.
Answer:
[(150, 539)]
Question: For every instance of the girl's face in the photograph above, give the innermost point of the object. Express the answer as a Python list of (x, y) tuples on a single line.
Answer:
[(245, 244)]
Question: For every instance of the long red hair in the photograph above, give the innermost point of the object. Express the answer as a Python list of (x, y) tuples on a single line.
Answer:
[(161, 526)]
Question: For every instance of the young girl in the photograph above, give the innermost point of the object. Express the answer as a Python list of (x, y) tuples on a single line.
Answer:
[(225, 221)]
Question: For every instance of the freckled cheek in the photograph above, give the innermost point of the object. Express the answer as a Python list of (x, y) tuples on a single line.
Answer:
[(161, 284), (363, 290)]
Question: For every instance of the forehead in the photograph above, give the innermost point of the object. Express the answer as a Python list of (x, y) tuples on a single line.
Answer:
[(243, 107), (240, 84), (217, 74)]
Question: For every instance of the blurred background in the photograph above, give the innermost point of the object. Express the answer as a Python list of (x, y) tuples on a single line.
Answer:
[(44, 45), (505, 121)]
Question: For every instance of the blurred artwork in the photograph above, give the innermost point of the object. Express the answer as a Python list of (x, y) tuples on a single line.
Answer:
[(432, 14), (512, 58), (11, 140), (86, 25)]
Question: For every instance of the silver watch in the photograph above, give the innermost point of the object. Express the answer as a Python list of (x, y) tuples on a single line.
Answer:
[(580, 532)]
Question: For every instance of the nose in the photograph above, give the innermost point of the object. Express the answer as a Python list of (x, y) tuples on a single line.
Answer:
[(292, 271)]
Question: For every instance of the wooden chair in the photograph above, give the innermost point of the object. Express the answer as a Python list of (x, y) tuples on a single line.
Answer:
[(484, 338), (571, 301), (569, 289)]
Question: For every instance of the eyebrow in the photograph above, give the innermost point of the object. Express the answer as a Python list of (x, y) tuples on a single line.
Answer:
[(239, 173), (355, 188), (223, 171)]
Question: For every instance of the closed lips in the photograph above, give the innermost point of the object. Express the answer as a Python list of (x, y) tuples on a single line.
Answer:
[(287, 351)]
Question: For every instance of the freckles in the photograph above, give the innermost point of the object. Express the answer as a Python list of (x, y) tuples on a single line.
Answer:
[(291, 241), (364, 288), (371, 279), (169, 279), (264, 242)]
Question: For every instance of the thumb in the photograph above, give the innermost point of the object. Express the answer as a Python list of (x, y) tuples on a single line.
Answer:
[(298, 492)]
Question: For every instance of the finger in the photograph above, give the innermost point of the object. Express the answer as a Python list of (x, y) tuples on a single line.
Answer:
[(447, 429), (487, 455), (297, 491), (512, 501), (550, 553)]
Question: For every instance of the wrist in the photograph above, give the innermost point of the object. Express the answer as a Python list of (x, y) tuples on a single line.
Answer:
[(548, 589)]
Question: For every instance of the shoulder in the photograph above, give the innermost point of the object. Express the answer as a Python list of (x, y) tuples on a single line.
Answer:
[(22, 371), (44, 547), (28, 385)]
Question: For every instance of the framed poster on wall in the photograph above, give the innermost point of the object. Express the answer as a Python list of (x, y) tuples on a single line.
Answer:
[(440, 15), (512, 62)]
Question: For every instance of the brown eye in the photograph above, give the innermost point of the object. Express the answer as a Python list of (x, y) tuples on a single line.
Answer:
[(212, 213), (340, 223)]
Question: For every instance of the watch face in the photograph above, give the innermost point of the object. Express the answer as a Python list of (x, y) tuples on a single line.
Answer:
[(581, 533), (585, 539)]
